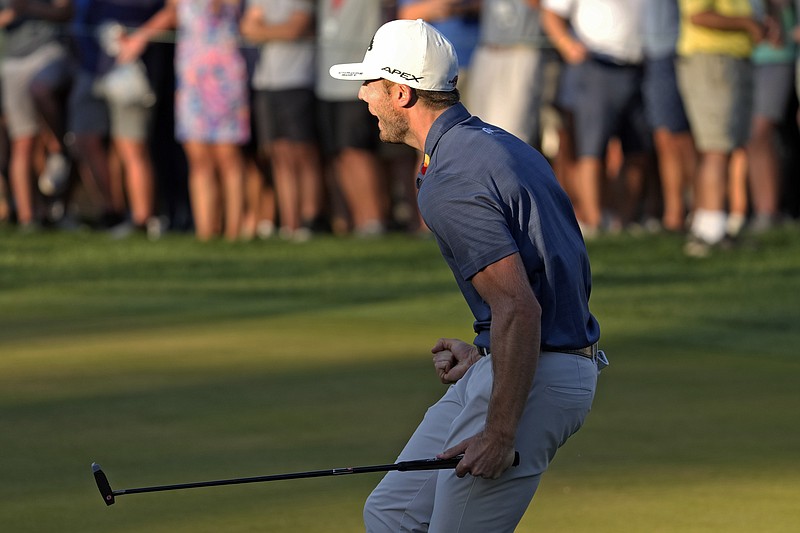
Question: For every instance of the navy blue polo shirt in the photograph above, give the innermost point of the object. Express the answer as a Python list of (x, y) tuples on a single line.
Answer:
[(485, 195)]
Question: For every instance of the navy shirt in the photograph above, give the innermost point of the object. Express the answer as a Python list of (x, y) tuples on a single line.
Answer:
[(91, 14), (485, 195)]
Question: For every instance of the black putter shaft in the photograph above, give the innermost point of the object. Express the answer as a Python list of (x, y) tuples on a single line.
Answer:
[(403, 466)]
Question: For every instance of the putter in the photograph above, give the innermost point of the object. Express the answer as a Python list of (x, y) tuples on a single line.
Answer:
[(403, 466)]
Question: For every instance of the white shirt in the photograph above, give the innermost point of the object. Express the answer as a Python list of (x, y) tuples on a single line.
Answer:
[(608, 27)]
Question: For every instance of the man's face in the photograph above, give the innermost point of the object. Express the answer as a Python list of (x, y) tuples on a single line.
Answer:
[(392, 123)]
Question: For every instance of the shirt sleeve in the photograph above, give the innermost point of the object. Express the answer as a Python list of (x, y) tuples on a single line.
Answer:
[(692, 7), (563, 8)]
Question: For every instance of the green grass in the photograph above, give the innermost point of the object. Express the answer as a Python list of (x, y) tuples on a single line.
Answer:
[(175, 361)]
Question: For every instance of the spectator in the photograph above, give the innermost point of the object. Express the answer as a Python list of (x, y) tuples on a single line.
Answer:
[(602, 39), (457, 20), (285, 108), (212, 110), (716, 82), (667, 117), (259, 216), (116, 99), (509, 60), (349, 134), (34, 72), (796, 36), (5, 205), (774, 66)]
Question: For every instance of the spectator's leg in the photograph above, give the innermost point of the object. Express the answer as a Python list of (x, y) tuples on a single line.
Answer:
[(20, 170), (97, 174), (633, 173), (764, 168), (358, 176), (254, 187), (287, 186), (230, 165), (203, 189), (587, 188), (670, 169), (139, 178), (738, 199), (709, 218), (309, 170)]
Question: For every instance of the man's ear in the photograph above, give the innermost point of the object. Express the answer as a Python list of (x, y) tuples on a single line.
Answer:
[(405, 96)]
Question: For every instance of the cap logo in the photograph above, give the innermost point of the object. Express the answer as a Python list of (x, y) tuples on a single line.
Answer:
[(405, 75)]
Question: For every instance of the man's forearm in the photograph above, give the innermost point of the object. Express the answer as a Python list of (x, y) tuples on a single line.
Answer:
[(717, 21), (515, 354), (298, 26)]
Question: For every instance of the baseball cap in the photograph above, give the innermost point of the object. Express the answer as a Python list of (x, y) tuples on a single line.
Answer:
[(411, 52)]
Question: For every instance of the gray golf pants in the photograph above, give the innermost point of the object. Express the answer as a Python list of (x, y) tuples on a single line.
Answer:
[(440, 502)]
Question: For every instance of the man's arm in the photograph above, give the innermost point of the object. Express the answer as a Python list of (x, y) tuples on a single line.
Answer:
[(515, 340), (133, 45), (717, 21), (256, 29), (557, 29)]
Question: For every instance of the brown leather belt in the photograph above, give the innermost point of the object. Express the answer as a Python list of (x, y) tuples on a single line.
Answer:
[(589, 352)]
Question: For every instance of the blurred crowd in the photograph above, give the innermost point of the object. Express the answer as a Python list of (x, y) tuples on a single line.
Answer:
[(218, 117)]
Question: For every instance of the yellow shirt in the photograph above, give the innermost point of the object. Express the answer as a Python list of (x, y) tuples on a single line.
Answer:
[(701, 40)]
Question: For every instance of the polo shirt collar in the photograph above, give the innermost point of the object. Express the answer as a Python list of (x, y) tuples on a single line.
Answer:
[(449, 118)]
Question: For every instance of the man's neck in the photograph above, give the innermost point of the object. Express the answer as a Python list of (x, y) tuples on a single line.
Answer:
[(420, 121)]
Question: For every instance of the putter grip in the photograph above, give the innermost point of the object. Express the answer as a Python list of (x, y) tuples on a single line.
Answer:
[(438, 464)]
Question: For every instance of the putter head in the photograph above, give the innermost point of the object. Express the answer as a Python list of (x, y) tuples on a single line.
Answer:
[(102, 484)]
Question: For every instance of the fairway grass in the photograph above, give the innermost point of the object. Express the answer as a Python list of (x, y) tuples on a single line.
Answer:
[(175, 361)]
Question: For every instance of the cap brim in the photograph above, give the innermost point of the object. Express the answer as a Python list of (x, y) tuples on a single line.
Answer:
[(355, 71)]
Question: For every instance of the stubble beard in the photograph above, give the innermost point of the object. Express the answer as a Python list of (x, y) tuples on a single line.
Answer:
[(394, 126)]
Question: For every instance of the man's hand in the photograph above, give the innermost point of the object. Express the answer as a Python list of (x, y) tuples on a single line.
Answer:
[(483, 456), (132, 47), (452, 358)]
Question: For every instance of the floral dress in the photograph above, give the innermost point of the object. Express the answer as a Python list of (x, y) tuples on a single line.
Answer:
[(211, 102)]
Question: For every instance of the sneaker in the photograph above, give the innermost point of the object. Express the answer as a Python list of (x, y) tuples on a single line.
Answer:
[(55, 176), (302, 234), (762, 223), (156, 227), (265, 229), (696, 247), (369, 230), (122, 230), (700, 248), (734, 225)]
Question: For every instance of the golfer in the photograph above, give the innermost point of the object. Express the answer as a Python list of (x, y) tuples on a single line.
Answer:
[(507, 231)]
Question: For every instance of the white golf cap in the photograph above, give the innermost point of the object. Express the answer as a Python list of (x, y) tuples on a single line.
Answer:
[(411, 52)]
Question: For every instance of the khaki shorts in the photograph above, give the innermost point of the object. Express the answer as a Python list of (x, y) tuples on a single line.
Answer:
[(18, 73), (505, 88), (717, 91), (93, 114)]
